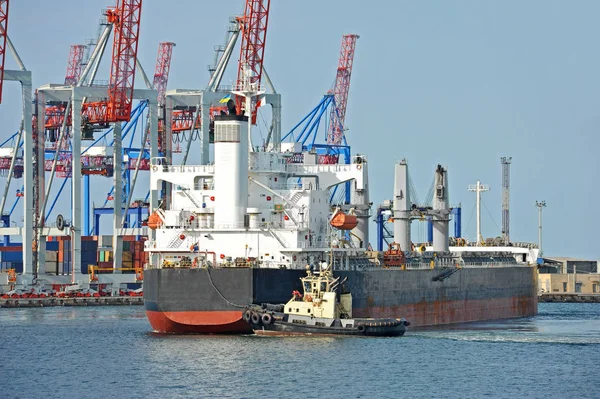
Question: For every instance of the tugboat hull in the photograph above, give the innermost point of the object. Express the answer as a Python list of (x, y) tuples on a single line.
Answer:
[(283, 328), (267, 322)]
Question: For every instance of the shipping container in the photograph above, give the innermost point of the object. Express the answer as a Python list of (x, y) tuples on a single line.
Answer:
[(18, 266), (51, 256), (105, 267), (133, 286), (51, 267)]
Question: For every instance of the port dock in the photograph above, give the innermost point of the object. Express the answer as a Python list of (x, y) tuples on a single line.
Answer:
[(46, 302)]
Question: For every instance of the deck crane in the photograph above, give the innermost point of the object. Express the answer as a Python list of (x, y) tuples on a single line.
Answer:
[(3, 26), (341, 89)]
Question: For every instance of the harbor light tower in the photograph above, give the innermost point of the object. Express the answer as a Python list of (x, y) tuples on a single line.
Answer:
[(540, 205), (478, 188)]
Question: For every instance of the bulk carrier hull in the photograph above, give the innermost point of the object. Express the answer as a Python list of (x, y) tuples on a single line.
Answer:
[(210, 301)]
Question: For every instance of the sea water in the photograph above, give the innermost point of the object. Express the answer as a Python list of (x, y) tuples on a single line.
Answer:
[(106, 352)]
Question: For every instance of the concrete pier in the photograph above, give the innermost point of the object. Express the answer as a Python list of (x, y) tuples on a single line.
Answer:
[(45, 302), (569, 297)]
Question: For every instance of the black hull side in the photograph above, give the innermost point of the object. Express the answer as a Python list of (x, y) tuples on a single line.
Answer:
[(471, 294)]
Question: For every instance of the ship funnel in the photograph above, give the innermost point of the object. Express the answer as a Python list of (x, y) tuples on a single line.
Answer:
[(231, 171)]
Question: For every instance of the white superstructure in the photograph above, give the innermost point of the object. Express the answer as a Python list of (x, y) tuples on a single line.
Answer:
[(265, 208)]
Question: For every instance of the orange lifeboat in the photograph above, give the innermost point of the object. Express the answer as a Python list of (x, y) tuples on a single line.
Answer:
[(344, 221), (154, 221)]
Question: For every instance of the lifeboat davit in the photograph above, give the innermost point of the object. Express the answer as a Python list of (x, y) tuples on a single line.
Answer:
[(344, 221)]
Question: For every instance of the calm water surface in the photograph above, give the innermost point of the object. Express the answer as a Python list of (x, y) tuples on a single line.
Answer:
[(111, 352)]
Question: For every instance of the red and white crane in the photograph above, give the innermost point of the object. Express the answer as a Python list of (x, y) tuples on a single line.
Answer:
[(55, 113), (74, 64), (254, 36), (125, 18), (341, 89), (163, 66), (253, 29), (3, 27)]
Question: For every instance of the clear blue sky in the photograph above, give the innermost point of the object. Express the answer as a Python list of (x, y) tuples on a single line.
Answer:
[(460, 83)]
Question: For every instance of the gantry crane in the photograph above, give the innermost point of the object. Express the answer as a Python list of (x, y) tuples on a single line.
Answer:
[(25, 133), (74, 64), (335, 149), (341, 89), (252, 49), (3, 27), (97, 107), (252, 26)]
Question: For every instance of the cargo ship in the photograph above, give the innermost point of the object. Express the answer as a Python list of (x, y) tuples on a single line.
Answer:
[(242, 230)]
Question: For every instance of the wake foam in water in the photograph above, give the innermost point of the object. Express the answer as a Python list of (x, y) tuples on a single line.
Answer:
[(510, 338)]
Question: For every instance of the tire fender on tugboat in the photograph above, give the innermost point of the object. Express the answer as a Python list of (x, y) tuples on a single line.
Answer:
[(255, 318), (361, 328), (266, 319), (247, 315)]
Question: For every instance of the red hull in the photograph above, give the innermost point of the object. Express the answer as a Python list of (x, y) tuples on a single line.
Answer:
[(199, 322), (450, 312)]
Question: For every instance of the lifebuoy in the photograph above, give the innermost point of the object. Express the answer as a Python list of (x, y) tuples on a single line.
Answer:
[(154, 168), (358, 166), (255, 318), (361, 328), (266, 319)]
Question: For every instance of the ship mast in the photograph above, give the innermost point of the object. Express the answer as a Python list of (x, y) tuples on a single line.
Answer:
[(478, 188)]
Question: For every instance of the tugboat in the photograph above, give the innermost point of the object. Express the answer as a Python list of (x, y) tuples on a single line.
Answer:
[(320, 310)]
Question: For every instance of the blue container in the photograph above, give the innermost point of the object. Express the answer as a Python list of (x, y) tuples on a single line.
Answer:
[(89, 256), (134, 286), (52, 246), (13, 257), (89, 245), (18, 266), (66, 267)]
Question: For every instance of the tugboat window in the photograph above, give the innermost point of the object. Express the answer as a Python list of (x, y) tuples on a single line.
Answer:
[(323, 286), (306, 286)]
